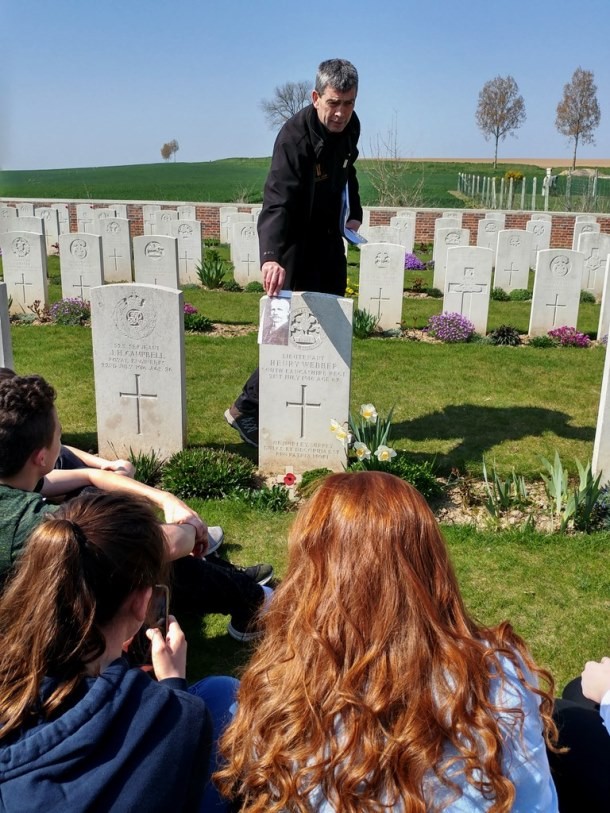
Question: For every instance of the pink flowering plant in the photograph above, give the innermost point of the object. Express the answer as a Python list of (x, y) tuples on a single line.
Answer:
[(366, 438), (450, 327), (189, 309), (569, 337)]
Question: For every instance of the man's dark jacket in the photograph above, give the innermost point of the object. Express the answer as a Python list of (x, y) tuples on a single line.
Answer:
[(304, 154)]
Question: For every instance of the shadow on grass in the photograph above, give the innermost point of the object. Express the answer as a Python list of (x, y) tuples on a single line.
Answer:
[(481, 428)]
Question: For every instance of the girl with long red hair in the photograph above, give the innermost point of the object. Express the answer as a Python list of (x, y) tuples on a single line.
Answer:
[(373, 688)]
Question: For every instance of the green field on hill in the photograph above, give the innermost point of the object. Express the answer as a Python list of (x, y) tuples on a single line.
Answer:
[(426, 184)]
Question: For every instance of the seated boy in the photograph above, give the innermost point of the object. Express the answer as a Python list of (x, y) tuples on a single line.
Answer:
[(30, 442)]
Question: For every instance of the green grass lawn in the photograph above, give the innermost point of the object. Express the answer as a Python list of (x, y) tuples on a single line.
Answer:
[(230, 180), (453, 404)]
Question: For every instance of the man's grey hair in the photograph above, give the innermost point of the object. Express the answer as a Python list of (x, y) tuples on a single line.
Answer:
[(339, 74)]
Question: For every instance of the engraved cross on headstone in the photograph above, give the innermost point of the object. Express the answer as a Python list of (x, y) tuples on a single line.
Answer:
[(303, 405), (81, 285), (510, 271), (466, 288), (379, 299), (22, 285), (592, 263), (555, 305), (186, 257), (114, 256), (137, 395), (247, 261)]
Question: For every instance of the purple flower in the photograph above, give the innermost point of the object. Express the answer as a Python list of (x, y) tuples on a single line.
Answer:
[(188, 308), (413, 263), (569, 337), (450, 327)]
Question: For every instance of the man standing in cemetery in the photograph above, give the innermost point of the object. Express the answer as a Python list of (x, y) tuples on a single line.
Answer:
[(300, 229)]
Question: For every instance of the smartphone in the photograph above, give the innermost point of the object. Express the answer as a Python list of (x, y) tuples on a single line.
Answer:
[(139, 652), (158, 609)]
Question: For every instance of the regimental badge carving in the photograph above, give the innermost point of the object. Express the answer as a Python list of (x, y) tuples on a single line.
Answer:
[(560, 265), (154, 250), (515, 241), (452, 238), (586, 229), (538, 230), (382, 259), (248, 232), (305, 330), (20, 247), (104, 215), (134, 317), (78, 249), (185, 230), (113, 227), (165, 217), (491, 227)]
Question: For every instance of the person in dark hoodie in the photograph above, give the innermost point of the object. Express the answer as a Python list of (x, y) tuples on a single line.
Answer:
[(299, 227), (79, 729)]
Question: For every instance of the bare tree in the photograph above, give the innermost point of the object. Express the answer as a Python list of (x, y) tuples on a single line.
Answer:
[(287, 100), (389, 174), (578, 112), (169, 148), (500, 111)]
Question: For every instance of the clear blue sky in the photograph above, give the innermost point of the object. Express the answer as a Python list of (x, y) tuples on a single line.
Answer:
[(106, 82)]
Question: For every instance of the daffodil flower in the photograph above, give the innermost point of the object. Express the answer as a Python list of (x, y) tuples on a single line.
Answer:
[(369, 413), (384, 453), (334, 425), (362, 451)]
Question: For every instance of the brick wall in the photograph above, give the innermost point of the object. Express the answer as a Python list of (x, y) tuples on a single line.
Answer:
[(209, 215)]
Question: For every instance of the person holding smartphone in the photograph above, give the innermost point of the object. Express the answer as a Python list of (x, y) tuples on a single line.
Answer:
[(79, 728)]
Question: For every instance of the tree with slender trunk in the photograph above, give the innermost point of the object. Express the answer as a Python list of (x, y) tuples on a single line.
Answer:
[(578, 112), (501, 110), (287, 100), (170, 148)]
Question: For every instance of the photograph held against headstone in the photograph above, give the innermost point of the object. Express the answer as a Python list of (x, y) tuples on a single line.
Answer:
[(305, 384), (274, 323)]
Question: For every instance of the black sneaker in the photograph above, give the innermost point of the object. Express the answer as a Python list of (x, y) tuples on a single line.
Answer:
[(246, 425), (250, 630), (261, 573)]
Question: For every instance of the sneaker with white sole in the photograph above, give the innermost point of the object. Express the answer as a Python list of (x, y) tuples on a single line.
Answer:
[(215, 537), (252, 631), (246, 425)]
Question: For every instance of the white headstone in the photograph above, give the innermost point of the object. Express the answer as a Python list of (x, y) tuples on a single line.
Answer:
[(24, 263), (603, 327), (121, 210), (383, 234), (116, 249), (33, 224), (541, 234), (25, 209), (138, 360), (155, 260), (84, 217), (601, 446), (6, 345), (162, 220), (188, 211), (446, 239), (487, 233), (366, 222), (63, 216), (245, 252), (406, 231), (583, 227), (51, 225), (443, 223), (306, 384), (586, 219), (556, 294), (8, 219), (468, 284), (80, 260), (382, 274), (456, 214), (224, 213), (512, 261), (149, 220), (595, 247), (542, 216), (188, 234), (104, 212), (499, 216)]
